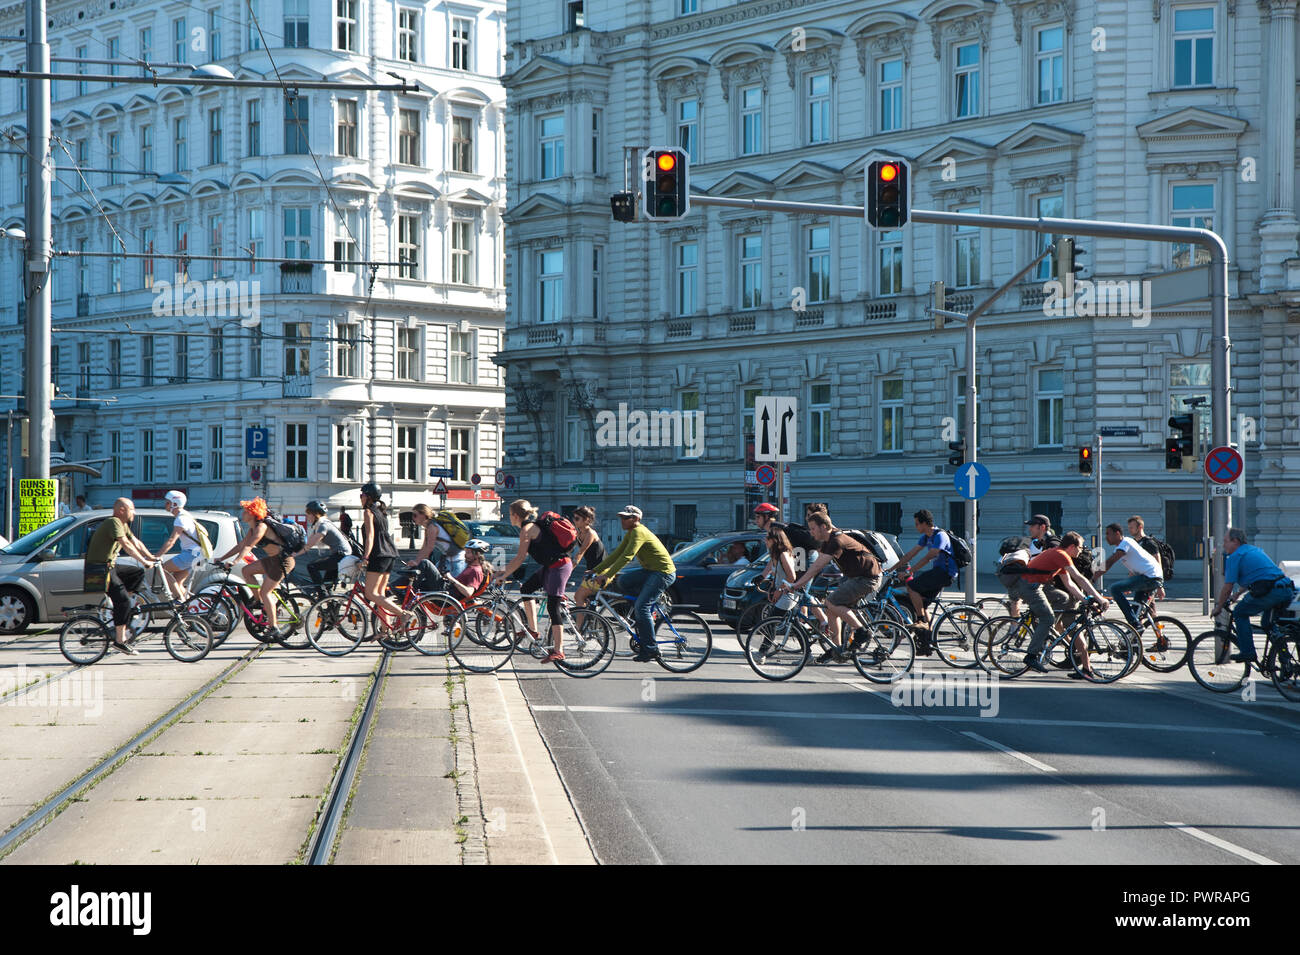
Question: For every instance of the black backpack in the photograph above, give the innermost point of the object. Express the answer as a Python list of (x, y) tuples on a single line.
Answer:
[(292, 537), (1163, 551), (961, 554), (871, 544)]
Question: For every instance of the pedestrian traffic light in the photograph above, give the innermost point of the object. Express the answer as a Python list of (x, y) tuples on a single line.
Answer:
[(958, 452), (1184, 445), (887, 193), (1067, 260), (666, 195), (1085, 460), (1173, 456)]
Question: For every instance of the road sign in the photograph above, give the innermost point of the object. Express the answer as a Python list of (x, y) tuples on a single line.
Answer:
[(972, 481), (501, 478), (440, 488), (475, 479), (257, 444), (765, 474), (584, 488), (776, 424), (1120, 431), (1178, 286), (1224, 465), (516, 452), (441, 472), (510, 480), (38, 503)]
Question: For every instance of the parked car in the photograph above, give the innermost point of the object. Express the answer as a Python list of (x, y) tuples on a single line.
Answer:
[(503, 538), (701, 571), (41, 572)]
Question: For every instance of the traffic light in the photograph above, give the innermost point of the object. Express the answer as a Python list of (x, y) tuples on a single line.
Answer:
[(1085, 460), (623, 206), (957, 451), (1067, 261), (939, 294), (887, 193), (1173, 456), (666, 195), (1183, 447)]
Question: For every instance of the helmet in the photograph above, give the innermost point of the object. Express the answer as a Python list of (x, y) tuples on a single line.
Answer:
[(767, 509), (315, 507), (478, 544), (176, 497), (372, 490)]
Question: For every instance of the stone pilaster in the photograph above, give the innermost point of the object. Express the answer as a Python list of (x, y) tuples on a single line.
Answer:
[(1279, 227)]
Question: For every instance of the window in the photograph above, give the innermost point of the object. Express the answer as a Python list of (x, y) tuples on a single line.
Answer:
[(550, 285), (216, 453), (959, 406), (295, 452), (818, 257), (818, 87), (145, 38), (408, 35), (966, 253), (687, 7), (751, 271), (1050, 407), (346, 230), (114, 53), (146, 456), (254, 114), (751, 120), (408, 246), (297, 349), (147, 361), (688, 127), (461, 32), (180, 144), (887, 517), (408, 354), (182, 452), (255, 351), (891, 414), (295, 23), (146, 148), (296, 129), (1193, 46), (115, 275), (1049, 64), (346, 349), (686, 264), (256, 237), (83, 269), (966, 77), (458, 453), (181, 243), (82, 86), (217, 346), (297, 232), (146, 265), (576, 15), (1049, 509), (819, 419), (114, 157), (595, 142), (114, 364), (1191, 380), (462, 252), (216, 243), (1051, 207), (889, 255), (214, 136), (551, 129), (83, 366), (345, 23), (114, 457), (214, 34), (408, 137), (345, 452), (254, 18), (573, 432), (891, 95), (180, 41), (408, 449), (1193, 205), (460, 356), (182, 358), (462, 144), (347, 127), (688, 403), (56, 366), (595, 284)]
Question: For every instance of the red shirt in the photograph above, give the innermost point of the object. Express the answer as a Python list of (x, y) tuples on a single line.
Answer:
[(472, 577), (1047, 565)]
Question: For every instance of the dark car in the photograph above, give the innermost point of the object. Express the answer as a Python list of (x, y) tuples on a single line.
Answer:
[(702, 569)]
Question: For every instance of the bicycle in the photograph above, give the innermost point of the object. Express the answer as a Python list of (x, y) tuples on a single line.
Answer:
[(225, 603), (486, 634), (1109, 646), (686, 643), (953, 624), (337, 623), (1170, 640), (85, 638), (1210, 658)]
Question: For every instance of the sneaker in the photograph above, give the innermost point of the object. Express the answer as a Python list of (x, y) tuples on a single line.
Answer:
[(646, 656), (1244, 658), (833, 655), (1076, 675), (125, 648), (1035, 662)]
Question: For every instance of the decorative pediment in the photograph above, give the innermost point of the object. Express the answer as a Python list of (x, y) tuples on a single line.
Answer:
[(470, 196), (172, 194), (537, 70), (537, 205), (245, 179), (297, 71), (292, 177), (807, 173), (348, 180), (958, 20), (678, 77), (173, 95), (464, 95), (811, 48), (1040, 155), (747, 370), (208, 187), (1037, 11), (75, 213), (1191, 123), (139, 102), (741, 184), (107, 111), (74, 118), (138, 200), (961, 150), (417, 189), (1038, 137), (882, 33), (741, 64)]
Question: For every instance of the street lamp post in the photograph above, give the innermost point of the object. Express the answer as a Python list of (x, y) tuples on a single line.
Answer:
[(39, 248)]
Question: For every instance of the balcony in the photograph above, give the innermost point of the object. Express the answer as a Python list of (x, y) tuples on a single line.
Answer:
[(295, 278), (297, 386), (883, 310), (679, 328), (544, 335)]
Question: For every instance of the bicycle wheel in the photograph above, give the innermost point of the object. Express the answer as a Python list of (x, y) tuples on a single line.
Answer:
[(289, 613), (1164, 646), (683, 640), (138, 622), (886, 654), (84, 639), (776, 649), (1210, 660), (1003, 643), (220, 612), (1109, 650), (587, 643), (993, 606), (436, 611), (482, 640), (752, 617), (188, 638), (336, 625), (1284, 665), (953, 635)]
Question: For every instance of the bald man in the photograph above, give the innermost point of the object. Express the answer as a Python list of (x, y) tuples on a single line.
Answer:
[(102, 573)]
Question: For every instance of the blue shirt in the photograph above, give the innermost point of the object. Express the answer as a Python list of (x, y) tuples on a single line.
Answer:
[(939, 541), (1248, 564)]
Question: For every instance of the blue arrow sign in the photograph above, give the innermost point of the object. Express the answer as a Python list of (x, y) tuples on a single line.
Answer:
[(972, 481), (257, 444)]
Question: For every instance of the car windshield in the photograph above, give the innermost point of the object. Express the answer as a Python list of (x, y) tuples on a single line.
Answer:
[(698, 549), (31, 543), (494, 528)]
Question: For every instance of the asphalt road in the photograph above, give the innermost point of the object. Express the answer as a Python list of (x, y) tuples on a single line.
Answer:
[(721, 766)]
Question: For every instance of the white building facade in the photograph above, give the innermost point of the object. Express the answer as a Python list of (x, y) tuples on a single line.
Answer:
[(357, 373), (1169, 112)]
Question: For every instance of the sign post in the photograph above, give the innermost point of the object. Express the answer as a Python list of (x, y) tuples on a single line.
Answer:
[(776, 421), (38, 503)]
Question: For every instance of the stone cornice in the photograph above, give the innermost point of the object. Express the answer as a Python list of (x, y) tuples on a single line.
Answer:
[(972, 24), (1268, 8), (564, 98), (1038, 10), (734, 14), (826, 56), (880, 44)]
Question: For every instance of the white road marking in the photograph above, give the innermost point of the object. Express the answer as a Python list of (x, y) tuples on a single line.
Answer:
[(994, 744), (1222, 844)]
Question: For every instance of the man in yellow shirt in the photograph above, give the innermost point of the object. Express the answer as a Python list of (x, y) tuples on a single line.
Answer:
[(639, 543)]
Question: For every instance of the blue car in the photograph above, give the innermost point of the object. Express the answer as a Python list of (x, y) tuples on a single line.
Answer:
[(702, 569)]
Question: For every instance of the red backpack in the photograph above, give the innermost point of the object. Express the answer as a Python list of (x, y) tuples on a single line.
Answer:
[(561, 530)]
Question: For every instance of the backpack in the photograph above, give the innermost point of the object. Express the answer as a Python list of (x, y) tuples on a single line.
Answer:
[(1161, 550), (292, 537), (961, 554), (456, 529), (354, 546), (871, 544), (560, 529), (205, 545)]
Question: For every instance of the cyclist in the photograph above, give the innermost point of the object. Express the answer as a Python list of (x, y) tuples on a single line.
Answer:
[(1247, 568), (804, 546), (324, 571), (102, 574), (922, 589), (1146, 577), (274, 566), (861, 573), (638, 542), (435, 538), (1053, 563), (552, 574), (378, 553), (186, 529), (590, 546), (471, 581)]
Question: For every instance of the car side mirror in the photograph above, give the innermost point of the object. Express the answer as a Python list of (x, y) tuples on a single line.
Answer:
[(46, 554)]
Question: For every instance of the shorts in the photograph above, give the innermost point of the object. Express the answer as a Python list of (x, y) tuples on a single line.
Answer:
[(852, 590), (556, 577), (184, 560), (277, 567), (930, 583), (380, 565)]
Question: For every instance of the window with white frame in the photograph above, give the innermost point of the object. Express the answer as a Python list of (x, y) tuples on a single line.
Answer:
[(462, 252), (146, 264), (114, 457), (551, 143), (550, 285), (146, 148), (408, 452), (297, 232), (817, 258), (255, 337), (347, 228), (297, 349), (686, 7), (408, 35), (346, 140), (889, 262), (295, 452), (345, 451), (595, 142), (817, 88), (256, 237), (217, 452), (966, 253), (819, 419), (686, 265), (1193, 206), (1049, 65), (751, 271), (966, 80), (1052, 206), (148, 465), (180, 144), (347, 349), (462, 32), (462, 144), (115, 275), (959, 405), (688, 127), (890, 79), (461, 352), (217, 243), (181, 243), (115, 53), (688, 403), (182, 358), (408, 354), (572, 432), (1049, 408), (891, 414), (253, 121), (217, 354), (115, 157), (408, 137), (83, 367), (751, 120), (214, 136), (214, 34), (296, 20), (181, 452), (180, 41), (1194, 34), (144, 39), (459, 452), (296, 126), (408, 246), (254, 19), (346, 27)]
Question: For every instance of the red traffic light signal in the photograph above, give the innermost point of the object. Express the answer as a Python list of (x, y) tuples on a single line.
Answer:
[(1085, 460), (887, 199), (665, 193)]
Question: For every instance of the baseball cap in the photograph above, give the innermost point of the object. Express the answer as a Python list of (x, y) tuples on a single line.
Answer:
[(1039, 519), (766, 508), (630, 511)]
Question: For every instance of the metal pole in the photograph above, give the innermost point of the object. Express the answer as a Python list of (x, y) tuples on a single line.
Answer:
[(780, 491), (972, 443), (1207, 555), (39, 390), (9, 475), (1096, 469)]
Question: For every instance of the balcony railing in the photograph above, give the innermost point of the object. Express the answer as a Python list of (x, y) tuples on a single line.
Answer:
[(740, 323), (1032, 296), (882, 311), (810, 318), (295, 279), (297, 386), (679, 328), (544, 335)]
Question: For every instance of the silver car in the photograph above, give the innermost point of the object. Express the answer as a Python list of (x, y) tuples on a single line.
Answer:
[(41, 573)]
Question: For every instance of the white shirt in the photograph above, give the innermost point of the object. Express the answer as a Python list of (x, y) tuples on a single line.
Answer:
[(1138, 561), (189, 531)]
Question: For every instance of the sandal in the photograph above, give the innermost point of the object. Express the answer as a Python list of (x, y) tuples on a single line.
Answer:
[(553, 657)]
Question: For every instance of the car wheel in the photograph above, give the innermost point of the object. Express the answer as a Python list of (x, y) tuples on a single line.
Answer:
[(17, 610)]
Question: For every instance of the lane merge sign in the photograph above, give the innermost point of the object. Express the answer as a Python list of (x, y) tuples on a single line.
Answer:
[(972, 480)]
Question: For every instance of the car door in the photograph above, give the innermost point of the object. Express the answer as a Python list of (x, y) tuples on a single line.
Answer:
[(60, 576)]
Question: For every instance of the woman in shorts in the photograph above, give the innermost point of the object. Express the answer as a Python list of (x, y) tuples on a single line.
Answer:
[(186, 530), (378, 553), (273, 567)]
